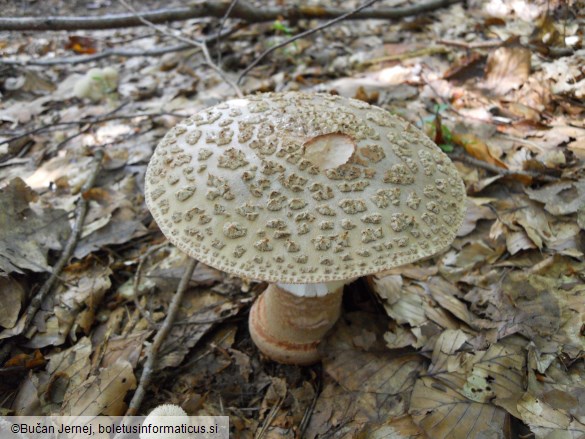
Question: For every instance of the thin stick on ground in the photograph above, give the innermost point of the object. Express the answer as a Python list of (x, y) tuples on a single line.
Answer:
[(197, 44), (159, 338), (302, 35), (80, 213)]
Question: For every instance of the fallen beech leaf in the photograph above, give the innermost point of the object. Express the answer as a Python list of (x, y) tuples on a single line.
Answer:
[(26, 235), (477, 148), (103, 393), (444, 413), (507, 68), (372, 384)]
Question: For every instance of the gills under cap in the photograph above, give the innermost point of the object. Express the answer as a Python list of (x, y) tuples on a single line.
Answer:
[(303, 188)]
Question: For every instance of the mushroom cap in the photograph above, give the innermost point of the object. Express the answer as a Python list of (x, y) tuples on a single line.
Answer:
[(166, 415), (303, 188)]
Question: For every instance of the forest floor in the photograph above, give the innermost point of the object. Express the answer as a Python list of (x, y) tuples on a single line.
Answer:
[(486, 339)]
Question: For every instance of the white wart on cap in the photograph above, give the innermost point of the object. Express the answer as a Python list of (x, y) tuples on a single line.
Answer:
[(303, 188)]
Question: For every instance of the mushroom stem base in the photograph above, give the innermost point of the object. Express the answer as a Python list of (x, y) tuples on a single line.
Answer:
[(289, 328)]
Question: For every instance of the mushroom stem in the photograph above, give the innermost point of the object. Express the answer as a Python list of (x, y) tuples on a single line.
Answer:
[(288, 328)]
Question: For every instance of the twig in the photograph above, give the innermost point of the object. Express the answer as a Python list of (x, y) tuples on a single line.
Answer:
[(80, 213), (302, 35), (221, 25), (197, 44), (159, 338), (242, 10), (117, 52), (501, 171)]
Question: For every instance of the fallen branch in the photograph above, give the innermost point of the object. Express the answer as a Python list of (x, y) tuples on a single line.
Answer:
[(241, 10), (159, 338), (80, 213)]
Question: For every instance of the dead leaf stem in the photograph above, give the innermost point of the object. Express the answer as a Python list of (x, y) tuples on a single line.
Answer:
[(80, 213)]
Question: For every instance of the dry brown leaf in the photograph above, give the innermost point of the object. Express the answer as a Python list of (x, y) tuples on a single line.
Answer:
[(475, 253), (372, 384), (27, 233), (402, 428), (402, 303), (561, 198), (476, 209), (445, 414), (520, 214), (201, 311), (495, 375), (507, 68), (445, 294), (126, 347), (101, 394), (74, 362), (11, 296), (84, 287), (554, 403), (477, 148), (354, 348)]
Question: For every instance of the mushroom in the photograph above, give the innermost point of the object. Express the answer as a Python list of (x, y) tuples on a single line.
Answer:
[(306, 192), (165, 415)]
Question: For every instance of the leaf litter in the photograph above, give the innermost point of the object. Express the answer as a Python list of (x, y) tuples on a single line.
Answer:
[(482, 340)]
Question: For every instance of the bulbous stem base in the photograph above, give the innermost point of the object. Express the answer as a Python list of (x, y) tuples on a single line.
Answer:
[(288, 328)]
